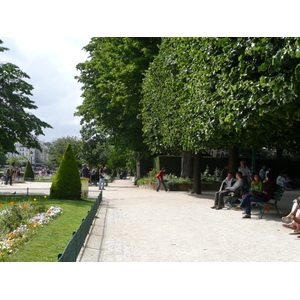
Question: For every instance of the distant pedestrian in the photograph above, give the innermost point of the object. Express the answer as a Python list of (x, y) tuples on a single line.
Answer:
[(262, 173), (9, 175), (224, 173), (246, 174), (160, 178), (101, 177), (85, 172), (19, 175)]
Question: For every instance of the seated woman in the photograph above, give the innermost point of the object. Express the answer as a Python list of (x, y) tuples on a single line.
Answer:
[(259, 191), (295, 221)]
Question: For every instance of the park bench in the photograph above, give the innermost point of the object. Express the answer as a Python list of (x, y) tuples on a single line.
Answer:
[(262, 205), (235, 197), (271, 203)]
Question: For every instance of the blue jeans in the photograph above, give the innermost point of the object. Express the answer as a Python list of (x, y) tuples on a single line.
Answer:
[(163, 183), (246, 203), (101, 183)]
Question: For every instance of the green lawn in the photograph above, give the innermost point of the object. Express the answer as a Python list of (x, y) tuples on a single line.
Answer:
[(53, 238)]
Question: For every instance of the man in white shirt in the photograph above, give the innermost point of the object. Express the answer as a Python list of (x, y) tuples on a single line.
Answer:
[(227, 184), (280, 180)]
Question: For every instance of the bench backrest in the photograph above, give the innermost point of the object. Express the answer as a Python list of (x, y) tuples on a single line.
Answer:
[(278, 194)]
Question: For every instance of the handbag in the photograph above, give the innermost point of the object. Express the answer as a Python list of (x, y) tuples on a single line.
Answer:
[(255, 194)]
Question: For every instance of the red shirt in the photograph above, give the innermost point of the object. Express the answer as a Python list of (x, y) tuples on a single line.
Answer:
[(161, 175)]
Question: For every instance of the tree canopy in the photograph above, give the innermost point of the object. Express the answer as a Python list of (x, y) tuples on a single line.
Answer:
[(202, 93), (112, 81), (17, 124)]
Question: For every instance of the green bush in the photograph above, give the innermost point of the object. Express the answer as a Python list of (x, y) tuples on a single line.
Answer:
[(206, 176), (66, 183), (151, 178), (28, 174), (173, 182)]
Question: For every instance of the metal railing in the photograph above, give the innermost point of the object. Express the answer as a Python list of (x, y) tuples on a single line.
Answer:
[(75, 244)]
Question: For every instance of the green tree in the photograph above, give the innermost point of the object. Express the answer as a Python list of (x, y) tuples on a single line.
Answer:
[(16, 161), (56, 150), (66, 183), (28, 173), (16, 124), (112, 81), (223, 93), (95, 144), (168, 112)]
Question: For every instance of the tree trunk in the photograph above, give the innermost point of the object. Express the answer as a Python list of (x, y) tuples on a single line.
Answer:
[(197, 174), (138, 166), (186, 164), (233, 159)]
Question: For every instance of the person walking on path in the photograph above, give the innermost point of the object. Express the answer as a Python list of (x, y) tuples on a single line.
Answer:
[(101, 177), (160, 178), (9, 175)]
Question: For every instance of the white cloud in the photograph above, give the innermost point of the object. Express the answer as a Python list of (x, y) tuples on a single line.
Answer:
[(51, 64)]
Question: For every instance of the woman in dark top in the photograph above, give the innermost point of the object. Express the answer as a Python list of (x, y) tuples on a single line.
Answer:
[(267, 193)]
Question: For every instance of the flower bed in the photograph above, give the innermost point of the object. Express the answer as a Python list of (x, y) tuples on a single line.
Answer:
[(17, 218)]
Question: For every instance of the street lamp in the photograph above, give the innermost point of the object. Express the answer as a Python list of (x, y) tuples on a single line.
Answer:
[(31, 154)]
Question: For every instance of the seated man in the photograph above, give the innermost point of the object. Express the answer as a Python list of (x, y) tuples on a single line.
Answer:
[(280, 181), (231, 186)]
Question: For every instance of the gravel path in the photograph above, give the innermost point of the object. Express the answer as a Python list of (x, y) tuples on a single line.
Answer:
[(142, 225)]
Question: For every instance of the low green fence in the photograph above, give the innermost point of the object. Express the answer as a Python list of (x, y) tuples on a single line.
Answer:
[(74, 246)]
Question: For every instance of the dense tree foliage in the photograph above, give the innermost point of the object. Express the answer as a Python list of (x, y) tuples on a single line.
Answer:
[(217, 92), (112, 80), (95, 144), (204, 93), (16, 124)]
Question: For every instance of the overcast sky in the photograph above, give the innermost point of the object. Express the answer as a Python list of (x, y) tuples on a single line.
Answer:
[(51, 65)]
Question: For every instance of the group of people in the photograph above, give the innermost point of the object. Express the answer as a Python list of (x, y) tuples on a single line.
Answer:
[(262, 189), (85, 173), (251, 188)]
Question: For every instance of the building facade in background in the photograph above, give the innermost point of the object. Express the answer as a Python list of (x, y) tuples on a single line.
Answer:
[(35, 156)]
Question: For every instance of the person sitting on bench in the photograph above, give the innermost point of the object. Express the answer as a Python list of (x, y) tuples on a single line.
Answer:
[(259, 192), (219, 196)]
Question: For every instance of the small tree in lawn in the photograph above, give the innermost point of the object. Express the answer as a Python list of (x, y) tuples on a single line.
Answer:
[(28, 174), (66, 183)]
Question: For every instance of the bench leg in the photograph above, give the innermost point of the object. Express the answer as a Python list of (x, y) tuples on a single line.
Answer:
[(261, 210)]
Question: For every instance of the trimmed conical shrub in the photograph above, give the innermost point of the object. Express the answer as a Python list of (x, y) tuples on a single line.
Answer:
[(28, 174), (66, 183)]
